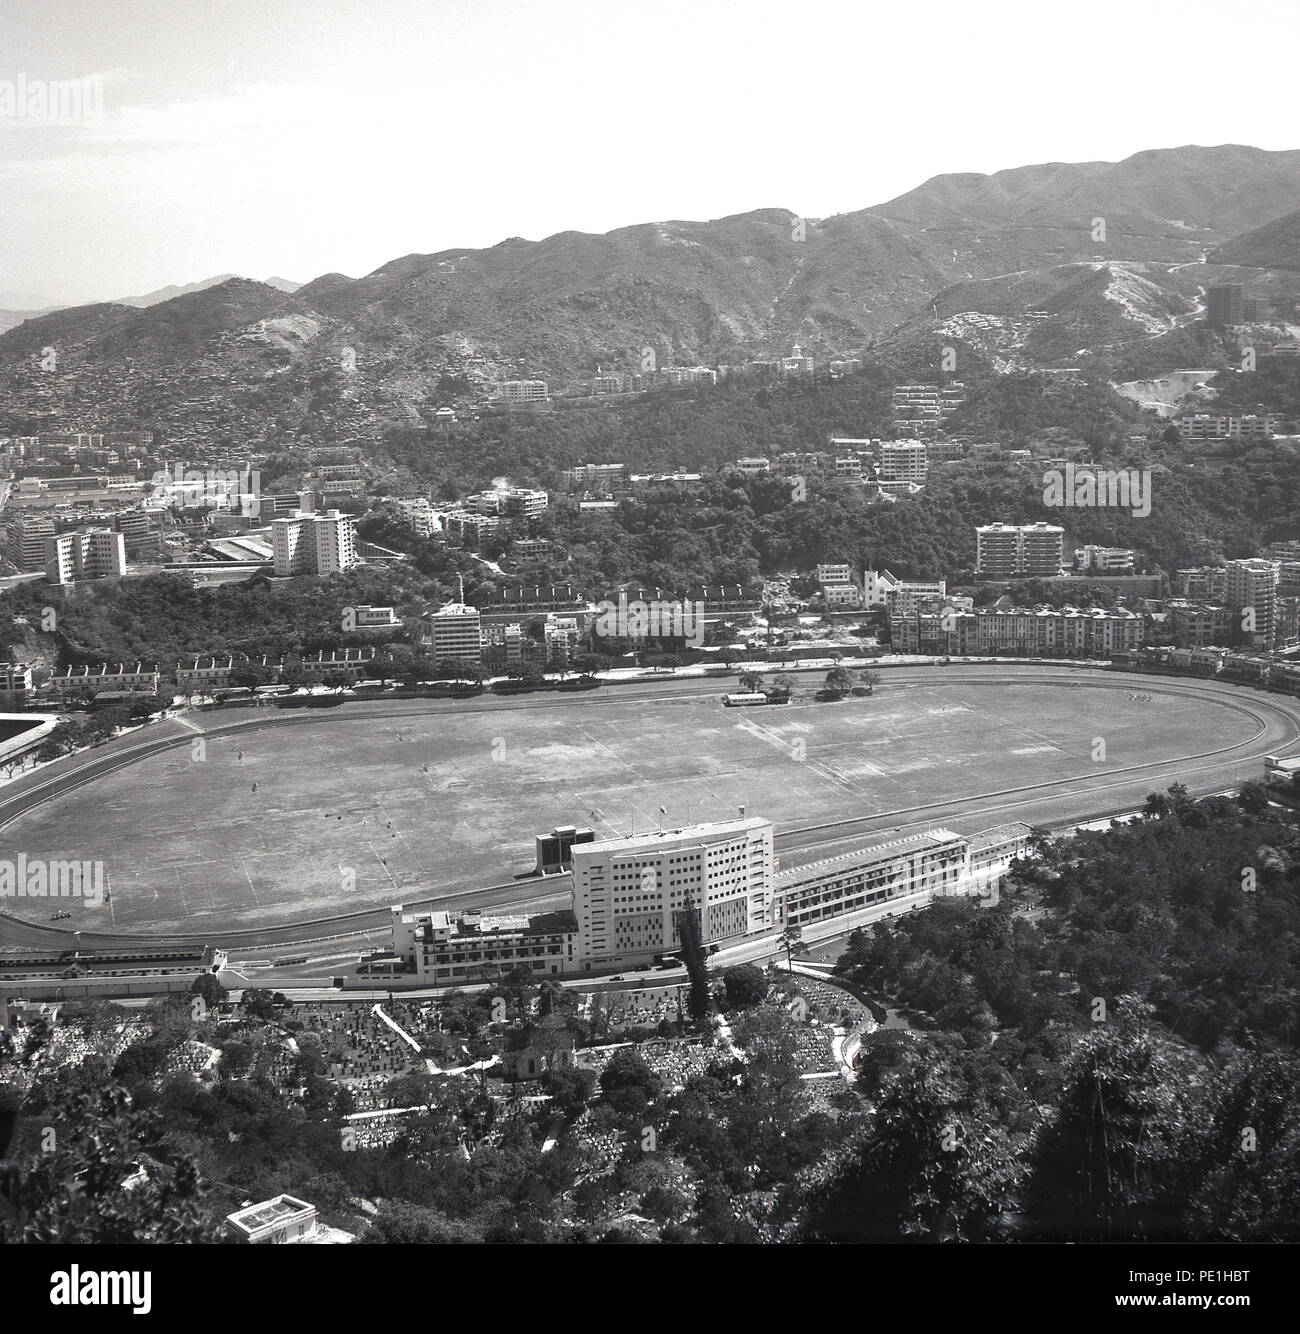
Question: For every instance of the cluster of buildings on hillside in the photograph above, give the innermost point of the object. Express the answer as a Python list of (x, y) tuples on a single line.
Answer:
[(629, 895), (649, 376), (922, 410)]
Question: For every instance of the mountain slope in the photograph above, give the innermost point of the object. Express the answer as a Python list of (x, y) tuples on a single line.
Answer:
[(1005, 266)]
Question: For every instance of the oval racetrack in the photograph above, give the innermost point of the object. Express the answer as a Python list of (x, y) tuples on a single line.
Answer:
[(283, 826)]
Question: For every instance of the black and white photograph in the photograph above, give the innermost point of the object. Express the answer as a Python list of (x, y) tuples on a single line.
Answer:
[(648, 624)]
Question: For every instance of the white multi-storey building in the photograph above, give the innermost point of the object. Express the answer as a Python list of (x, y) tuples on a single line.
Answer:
[(628, 891), (1250, 586), (1006, 549), (455, 634), (903, 461), (94, 553), (314, 543)]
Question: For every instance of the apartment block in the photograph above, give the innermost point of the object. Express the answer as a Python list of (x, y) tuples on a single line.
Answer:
[(314, 543), (1251, 587), (522, 391), (453, 634), (15, 683), (1005, 550), (93, 553), (197, 676), (25, 541), (1104, 560), (903, 461), (137, 680)]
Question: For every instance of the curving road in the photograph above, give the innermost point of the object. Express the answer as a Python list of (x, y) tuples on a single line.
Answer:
[(1272, 723)]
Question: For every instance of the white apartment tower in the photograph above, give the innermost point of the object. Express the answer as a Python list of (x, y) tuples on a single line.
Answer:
[(456, 634), (626, 891), (1252, 585), (313, 543)]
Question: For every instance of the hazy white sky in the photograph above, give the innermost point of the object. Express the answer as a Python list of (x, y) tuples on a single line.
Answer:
[(296, 137)]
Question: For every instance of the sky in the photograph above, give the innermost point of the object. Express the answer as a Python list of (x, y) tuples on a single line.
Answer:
[(301, 137)]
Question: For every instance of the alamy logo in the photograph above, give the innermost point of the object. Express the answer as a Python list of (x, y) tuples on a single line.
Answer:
[(52, 101), (1098, 488), (102, 1287), (26, 878), (656, 619), (213, 487)]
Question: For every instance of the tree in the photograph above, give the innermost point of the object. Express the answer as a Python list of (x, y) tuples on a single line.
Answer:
[(838, 681), (871, 680), (746, 986), (258, 1003), (784, 683), (792, 940), (76, 1194), (208, 986), (751, 682), (699, 1001)]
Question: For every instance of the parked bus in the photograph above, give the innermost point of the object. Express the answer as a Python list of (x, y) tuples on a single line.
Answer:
[(743, 701)]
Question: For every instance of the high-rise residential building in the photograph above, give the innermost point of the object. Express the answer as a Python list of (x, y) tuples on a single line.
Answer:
[(1006, 549), (1223, 303), (628, 892), (94, 553), (903, 461), (1250, 588), (563, 635), (25, 542), (313, 543), (455, 634)]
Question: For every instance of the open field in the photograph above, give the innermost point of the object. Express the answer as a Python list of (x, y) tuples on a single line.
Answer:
[(359, 807)]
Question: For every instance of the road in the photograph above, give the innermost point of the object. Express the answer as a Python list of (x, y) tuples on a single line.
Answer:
[(1273, 721)]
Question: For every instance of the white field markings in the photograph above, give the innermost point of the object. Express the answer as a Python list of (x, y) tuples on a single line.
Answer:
[(831, 773), (379, 858), (398, 833), (252, 889)]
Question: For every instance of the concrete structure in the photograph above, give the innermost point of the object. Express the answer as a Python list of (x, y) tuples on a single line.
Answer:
[(203, 675), (1223, 303), (1251, 588), (606, 479), (1206, 581), (522, 391), (932, 862), (455, 634), (1104, 560), (563, 636), (313, 543), (366, 617), (1006, 631), (555, 850), (1005, 550), (15, 683), (627, 892), (437, 949), (25, 542), (903, 461), (97, 680), (281, 1220), (92, 553)]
